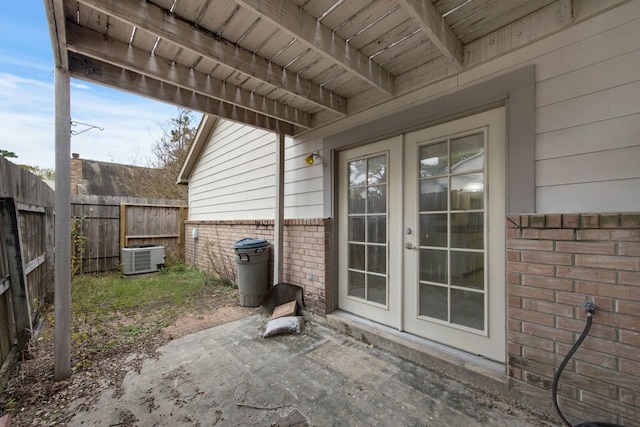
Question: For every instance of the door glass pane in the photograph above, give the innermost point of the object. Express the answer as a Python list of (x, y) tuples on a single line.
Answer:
[(356, 256), (377, 289), (433, 302), (377, 170), (433, 159), (357, 200), (433, 266), (467, 191), (433, 194), (433, 230), (377, 229), (356, 284), (357, 173), (467, 230), (467, 269), (467, 309), (467, 153), (377, 199), (356, 228), (377, 259)]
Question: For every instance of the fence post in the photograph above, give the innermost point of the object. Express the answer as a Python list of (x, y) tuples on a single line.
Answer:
[(123, 226)]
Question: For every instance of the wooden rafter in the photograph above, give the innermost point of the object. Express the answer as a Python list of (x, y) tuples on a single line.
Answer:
[(86, 68), (306, 29), (425, 14), (163, 24), (55, 15), (94, 45)]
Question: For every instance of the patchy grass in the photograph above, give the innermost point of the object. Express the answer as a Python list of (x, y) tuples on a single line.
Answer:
[(114, 318), (111, 311)]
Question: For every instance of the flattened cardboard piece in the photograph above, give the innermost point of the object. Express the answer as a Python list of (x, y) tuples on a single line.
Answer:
[(286, 309), (280, 294)]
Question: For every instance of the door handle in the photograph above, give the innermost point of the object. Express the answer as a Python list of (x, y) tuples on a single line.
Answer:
[(409, 245)]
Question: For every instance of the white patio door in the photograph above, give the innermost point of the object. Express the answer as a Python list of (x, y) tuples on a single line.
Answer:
[(421, 233), (370, 263), (454, 257)]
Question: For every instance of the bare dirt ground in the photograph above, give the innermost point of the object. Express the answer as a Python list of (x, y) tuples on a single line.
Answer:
[(33, 398)]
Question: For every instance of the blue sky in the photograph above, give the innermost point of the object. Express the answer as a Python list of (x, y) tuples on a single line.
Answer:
[(131, 124)]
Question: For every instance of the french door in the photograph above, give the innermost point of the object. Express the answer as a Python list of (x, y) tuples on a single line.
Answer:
[(370, 264), (421, 226)]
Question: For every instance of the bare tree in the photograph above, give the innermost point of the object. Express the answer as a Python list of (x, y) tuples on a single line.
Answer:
[(169, 153), (172, 148)]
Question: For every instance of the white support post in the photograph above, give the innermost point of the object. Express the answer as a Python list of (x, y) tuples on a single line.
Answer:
[(62, 332), (279, 219)]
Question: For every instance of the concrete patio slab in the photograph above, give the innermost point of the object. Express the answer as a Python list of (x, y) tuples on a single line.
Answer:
[(229, 375)]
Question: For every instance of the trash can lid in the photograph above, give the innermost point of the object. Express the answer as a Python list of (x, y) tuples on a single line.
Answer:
[(250, 243)]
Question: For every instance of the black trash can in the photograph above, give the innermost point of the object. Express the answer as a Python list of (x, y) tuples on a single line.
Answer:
[(252, 260)]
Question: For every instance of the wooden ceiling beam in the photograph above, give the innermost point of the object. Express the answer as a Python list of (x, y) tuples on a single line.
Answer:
[(55, 16), (93, 70), (95, 45), (432, 23), (314, 35), (164, 24)]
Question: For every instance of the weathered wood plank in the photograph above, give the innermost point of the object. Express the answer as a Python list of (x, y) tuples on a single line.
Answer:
[(19, 284), (7, 366), (315, 35), (93, 70), (95, 45), (30, 208), (4, 284), (34, 263), (150, 17), (431, 22)]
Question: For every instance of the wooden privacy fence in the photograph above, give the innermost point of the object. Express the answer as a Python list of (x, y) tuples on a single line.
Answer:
[(102, 225), (26, 258)]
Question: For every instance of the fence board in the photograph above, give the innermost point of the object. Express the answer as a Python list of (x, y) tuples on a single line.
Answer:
[(108, 223), (26, 257)]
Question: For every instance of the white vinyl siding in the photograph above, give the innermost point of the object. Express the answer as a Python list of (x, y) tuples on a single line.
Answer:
[(588, 122), (236, 173)]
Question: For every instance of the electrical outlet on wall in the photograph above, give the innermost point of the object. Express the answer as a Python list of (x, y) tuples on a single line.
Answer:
[(310, 277)]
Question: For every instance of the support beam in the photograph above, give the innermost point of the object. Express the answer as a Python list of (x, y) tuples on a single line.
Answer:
[(109, 75), (97, 46), (55, 16), (425, 14), (278, 265), (311, 33), (161, 23), (566, 11), (62, 338)]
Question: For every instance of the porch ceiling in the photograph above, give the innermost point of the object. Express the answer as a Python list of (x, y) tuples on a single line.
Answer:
[(282, 65)]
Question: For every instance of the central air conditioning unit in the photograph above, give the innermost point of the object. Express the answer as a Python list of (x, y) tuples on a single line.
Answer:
[(140, 259)]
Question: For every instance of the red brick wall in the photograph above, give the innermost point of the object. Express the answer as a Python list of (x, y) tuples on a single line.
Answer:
[(305, 251), (555, 264)]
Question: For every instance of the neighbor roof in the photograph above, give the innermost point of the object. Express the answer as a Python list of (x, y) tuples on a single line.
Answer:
[(284, 65)]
